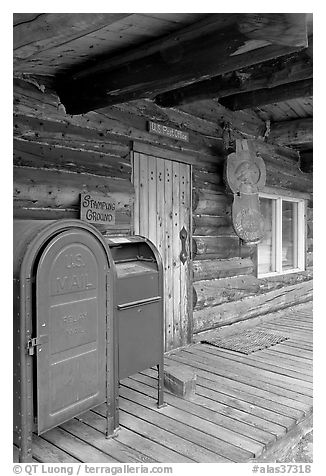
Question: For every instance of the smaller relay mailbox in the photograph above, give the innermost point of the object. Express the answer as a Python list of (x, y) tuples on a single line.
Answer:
[(139, 306)]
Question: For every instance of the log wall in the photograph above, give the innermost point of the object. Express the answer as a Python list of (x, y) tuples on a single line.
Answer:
[(225, 284), (58, 156)]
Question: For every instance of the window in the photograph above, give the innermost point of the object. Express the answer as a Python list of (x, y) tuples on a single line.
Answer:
[(282, 249)]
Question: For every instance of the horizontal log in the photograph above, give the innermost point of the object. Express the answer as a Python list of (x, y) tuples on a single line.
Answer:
[(221, 268), (269, 74), (207, 162), (261, 97), (276, 282), (207, 202), (244, 252), (207, 222), (240, 123), (209, 180), (286, 192), (29, 213), (221, 247), (277, 154), (287, 182), (51, 189), (294, 180), (253, 306), (47, 120), (42, 155), (294, 133), (214, 292), (148, 109), (219, 228), (178, 60)]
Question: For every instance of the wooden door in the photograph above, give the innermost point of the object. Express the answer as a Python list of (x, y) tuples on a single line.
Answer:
[(162, 210)]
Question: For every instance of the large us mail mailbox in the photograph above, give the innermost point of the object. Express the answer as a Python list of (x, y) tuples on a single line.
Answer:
[(139, 306), (65, 343)]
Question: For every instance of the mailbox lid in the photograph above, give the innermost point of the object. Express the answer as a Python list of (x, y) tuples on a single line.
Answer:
[(138, 268), (71, 325)]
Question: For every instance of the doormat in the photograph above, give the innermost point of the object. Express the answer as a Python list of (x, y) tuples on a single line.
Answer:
[(247, 342)]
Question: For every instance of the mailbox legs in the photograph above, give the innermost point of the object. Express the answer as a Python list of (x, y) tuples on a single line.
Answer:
[(160, 399), (25, 377)]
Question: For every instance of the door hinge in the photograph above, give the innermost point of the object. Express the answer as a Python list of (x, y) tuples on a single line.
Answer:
[(32, 343)]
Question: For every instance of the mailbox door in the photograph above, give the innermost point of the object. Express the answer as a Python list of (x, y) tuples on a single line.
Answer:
[(71, 327)]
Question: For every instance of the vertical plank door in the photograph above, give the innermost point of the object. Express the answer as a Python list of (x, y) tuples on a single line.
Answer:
[(162, 209)]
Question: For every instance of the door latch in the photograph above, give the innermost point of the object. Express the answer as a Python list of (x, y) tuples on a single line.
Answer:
[(183, 238), (35, 341)]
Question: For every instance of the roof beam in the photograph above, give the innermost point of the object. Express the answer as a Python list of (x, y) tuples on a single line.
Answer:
[(192, 54), (292, 133), (269, 74), (260, 97)]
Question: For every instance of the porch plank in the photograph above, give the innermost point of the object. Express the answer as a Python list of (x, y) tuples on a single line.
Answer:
[(217, 426), (142, 381), (215, 353), (290, 352), (290, 360), (43, 450), (283, 381), (278, 411), (143, 425), (235, 375), (111, 447), (246, 407), (194, 442), (255, 401), (151, 449), (76, 447)]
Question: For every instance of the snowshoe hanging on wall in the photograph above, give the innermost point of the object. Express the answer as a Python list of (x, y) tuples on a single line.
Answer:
[(245, 176)]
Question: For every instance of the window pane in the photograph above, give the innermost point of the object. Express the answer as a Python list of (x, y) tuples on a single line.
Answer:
[(266, 248), (289, 235)]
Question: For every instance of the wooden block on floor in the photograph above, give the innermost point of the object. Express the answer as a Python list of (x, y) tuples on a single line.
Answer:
[(180, 380)]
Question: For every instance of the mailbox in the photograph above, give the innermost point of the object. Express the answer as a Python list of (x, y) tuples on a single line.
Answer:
[(65, 342), (138, 303)]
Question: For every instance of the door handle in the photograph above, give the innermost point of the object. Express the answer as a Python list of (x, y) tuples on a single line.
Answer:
[(183, 238)]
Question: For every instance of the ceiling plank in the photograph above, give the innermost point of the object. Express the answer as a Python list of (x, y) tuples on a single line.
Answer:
[(292, 133), (181, 59), (49, 30), (269, 74), (261, 97)]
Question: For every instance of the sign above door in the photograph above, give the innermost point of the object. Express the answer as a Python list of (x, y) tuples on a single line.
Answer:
[(162, 130)]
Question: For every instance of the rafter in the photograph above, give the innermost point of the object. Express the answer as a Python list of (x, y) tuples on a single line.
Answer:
[(190, 55), (261, 97), (269, 74)]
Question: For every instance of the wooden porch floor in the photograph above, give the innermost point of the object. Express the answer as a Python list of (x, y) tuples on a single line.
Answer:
[(245, 408)]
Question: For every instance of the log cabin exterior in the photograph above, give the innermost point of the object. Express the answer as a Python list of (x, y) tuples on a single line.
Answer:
[(93, 135)]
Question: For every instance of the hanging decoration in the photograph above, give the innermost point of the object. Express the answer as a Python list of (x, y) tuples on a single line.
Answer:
[(245, 176)]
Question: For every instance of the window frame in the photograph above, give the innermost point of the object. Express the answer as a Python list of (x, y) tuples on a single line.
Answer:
[(277, 235)]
